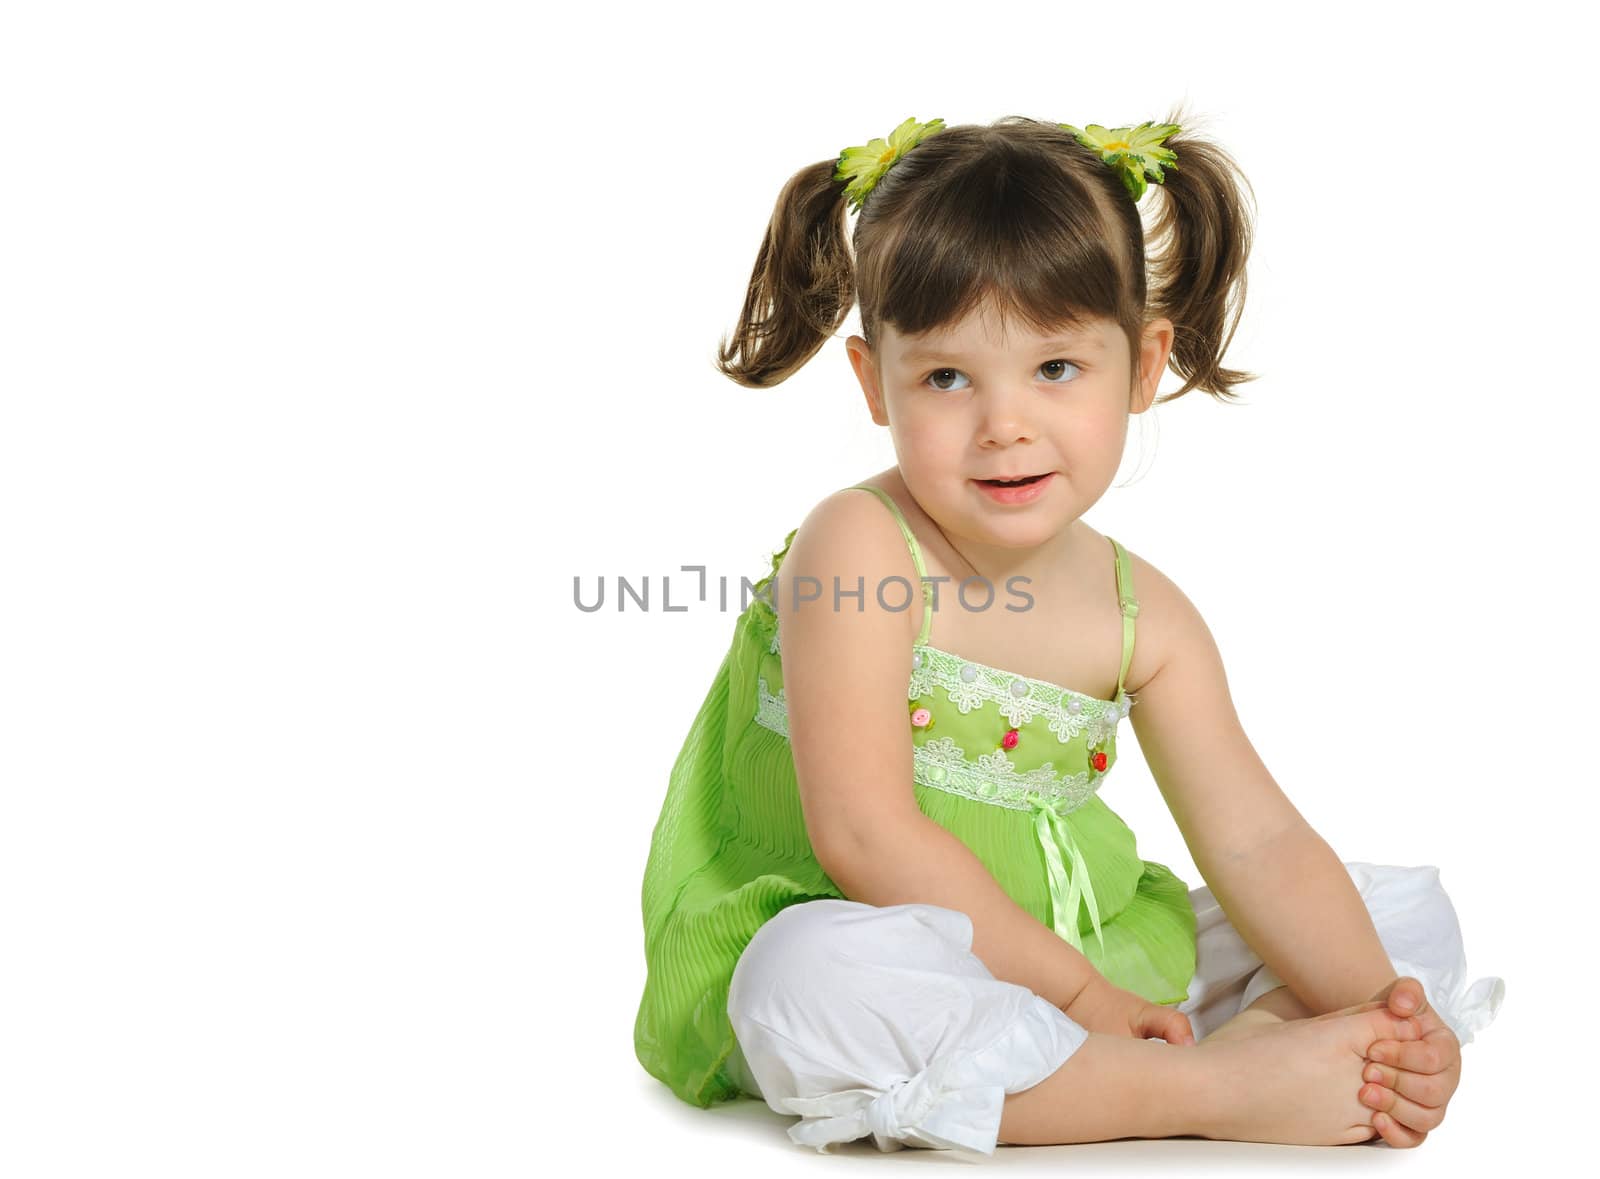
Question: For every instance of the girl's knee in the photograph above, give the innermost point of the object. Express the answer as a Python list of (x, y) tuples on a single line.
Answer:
[(815, 946), (792, 944)]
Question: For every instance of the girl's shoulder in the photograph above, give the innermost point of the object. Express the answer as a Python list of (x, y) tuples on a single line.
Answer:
[(861, 521), (1167, 620), (849, 535)]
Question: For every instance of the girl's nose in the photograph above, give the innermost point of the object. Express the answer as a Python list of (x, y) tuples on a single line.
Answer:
[(1005, 417)]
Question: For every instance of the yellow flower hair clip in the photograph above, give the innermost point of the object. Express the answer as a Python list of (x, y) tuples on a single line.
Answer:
[(864, 166), (1135, 152)]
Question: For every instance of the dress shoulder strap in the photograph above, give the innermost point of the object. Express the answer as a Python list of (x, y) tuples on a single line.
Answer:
[(916, 556), (1130, 608)]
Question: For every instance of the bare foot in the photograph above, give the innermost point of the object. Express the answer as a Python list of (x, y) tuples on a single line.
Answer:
[(1298, 1082), (1255, 1020)]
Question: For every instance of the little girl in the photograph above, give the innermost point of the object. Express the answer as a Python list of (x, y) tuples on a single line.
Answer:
[(884, 892)]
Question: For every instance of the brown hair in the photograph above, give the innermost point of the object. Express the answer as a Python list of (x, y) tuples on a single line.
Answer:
[(1019, 211)]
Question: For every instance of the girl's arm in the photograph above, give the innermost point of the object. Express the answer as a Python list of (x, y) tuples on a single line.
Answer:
[(1278, 881), (845, 673)]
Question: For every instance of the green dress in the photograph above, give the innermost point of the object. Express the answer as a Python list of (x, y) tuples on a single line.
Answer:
[(1008, 764)]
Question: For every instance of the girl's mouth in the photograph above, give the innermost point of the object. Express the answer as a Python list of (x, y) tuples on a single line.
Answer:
[(1015, 491), (1012, 482)]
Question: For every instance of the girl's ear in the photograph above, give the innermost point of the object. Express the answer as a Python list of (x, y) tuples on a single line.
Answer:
[(867, 373), (1154, 349)]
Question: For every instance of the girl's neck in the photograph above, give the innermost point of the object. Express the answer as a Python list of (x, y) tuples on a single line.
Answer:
[(996, 564)]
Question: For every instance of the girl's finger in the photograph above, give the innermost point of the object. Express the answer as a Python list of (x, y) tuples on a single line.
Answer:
[(1395, 1134), (1423, 1088), (1168, 1030), (1419, 1118), (1413, 1056), (1412, 988), (1180, 1031)]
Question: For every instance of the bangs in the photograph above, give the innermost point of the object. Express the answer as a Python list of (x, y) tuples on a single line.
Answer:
[(1007, 226)]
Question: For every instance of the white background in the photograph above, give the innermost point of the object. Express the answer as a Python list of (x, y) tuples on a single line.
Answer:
[(336, 339)]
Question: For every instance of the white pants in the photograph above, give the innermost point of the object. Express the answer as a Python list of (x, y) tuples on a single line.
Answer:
[(881, 1021)]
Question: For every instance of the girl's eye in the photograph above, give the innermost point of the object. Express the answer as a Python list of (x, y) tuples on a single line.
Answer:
[(1068, 363), (934, 377)]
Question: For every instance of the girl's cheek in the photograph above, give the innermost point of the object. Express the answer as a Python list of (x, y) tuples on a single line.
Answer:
[(926, 444)]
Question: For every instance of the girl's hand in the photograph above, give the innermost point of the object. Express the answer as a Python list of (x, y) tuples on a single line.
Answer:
[(1108, 1009), (1412, 1080)]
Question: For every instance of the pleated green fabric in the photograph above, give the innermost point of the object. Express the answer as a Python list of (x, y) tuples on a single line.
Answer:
[(730, 849)]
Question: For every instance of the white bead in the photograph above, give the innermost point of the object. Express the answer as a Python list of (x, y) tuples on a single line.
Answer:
[(968, 673), (1074, 705), (916, 659), (1019, 687)]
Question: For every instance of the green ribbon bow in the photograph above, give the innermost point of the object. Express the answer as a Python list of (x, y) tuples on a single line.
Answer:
[(1067, 893), (1135, 152)]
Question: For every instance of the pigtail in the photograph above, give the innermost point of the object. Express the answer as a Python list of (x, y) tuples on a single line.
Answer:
[(802, 287), (1197, 249)]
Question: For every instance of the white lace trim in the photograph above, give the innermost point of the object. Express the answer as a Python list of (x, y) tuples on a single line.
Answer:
[(941, 764), (772, 712), (1019, 698)]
